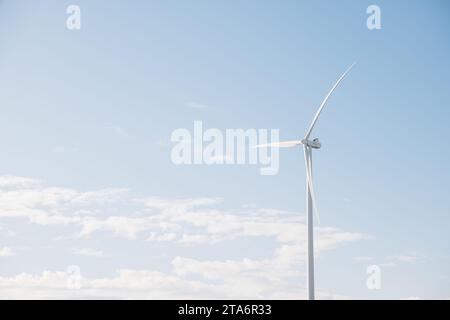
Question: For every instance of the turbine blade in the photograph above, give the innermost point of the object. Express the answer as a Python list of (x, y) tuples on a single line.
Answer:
[(309, 177), (282, 144), (324, 102)]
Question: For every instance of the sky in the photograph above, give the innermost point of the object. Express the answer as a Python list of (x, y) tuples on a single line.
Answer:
[(89, 194)]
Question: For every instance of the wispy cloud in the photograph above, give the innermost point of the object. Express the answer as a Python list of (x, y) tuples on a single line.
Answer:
[(152, 284), (9, 181), (162, 143), (89, 252), (122, 133), (196, 105), (6, 252), (167, 221), (162, 237), (409, 257), (65, 149), (185, 220), (364, 258), (392, 260)]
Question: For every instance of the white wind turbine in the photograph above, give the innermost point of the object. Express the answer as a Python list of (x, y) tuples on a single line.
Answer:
[(308, 146)]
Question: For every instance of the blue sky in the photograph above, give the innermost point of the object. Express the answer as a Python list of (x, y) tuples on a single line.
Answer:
[(93, 109)]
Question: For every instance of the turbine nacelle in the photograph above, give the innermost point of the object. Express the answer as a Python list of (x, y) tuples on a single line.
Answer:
[(315, 144)]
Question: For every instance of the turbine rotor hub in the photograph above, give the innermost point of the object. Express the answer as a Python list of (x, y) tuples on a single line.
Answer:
[(315, 144)]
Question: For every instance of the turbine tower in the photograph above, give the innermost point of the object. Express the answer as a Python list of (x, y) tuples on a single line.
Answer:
[(308, 146)]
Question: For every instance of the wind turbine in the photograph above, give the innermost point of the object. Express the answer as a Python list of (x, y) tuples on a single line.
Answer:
[(308, 146)]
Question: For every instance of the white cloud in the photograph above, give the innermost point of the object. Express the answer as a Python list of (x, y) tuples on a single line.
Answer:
[(126, 284), (65, 149), (162, 143), (6, 252), (196, 105), (387, 264), (392, 260), (162, 237), (8, 181), (164, 222), (407, 257), (52, 205), (90, 252), (6, 233), (151, 284), (123, 133), (364, 259), (196, 238), (121, 226), (184, 220)]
